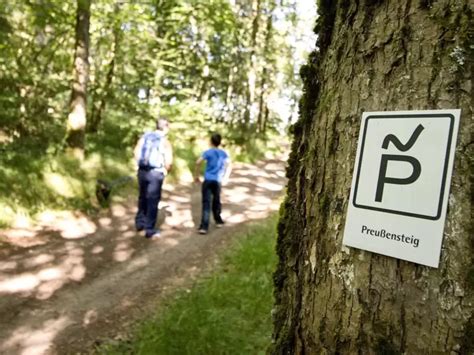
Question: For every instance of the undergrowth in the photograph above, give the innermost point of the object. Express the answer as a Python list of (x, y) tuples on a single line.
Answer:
[(36, 175)]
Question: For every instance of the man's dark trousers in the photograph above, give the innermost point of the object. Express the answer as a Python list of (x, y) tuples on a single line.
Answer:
[(211, 190), (150, 183)]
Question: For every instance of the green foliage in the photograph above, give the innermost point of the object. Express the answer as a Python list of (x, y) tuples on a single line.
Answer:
[(191, 128), (227, 312), (35, 180), (189, 60), (35, 66)]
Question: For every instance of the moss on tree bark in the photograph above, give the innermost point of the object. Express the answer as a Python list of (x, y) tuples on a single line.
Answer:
[(374, 56)]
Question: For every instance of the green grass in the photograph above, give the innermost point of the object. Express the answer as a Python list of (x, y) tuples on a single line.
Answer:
[(226, 312)]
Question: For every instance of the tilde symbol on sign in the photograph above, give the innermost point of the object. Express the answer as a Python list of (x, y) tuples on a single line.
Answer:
[(383, 178)]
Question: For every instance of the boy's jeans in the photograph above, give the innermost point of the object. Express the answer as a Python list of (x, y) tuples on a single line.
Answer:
[(211, 189), (150, 183)]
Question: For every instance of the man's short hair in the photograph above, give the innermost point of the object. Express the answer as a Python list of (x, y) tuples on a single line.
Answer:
[(216, 139), (162, 124)]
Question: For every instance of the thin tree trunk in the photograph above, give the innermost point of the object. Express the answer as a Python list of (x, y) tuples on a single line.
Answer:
[(265, 119), (375, 56), (263, 90), (163, 11), (97, 112), (76, 123), (205, 79), (223, 117), (230, 83), (261, 101), (252, 74)]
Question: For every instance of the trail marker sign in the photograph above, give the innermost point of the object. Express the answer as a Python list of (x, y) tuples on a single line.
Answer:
[(400, 184)]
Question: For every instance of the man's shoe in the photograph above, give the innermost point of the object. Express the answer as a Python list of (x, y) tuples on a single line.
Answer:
[(220, 225), (202, 231), (154, 235), (139, 228)]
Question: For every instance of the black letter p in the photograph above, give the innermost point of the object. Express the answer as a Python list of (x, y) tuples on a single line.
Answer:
[(384, 179)]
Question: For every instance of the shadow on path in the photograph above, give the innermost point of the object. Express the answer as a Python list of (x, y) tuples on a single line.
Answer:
[(70, 279)]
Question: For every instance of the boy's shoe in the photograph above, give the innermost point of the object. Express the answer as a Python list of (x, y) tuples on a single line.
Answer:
[(139, 228), (220, 225), (153, 235), (202, 231)]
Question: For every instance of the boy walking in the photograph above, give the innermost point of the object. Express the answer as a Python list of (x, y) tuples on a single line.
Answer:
[(217, 171)]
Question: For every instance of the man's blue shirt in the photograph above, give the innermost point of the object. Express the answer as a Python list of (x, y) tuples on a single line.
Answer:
[(215, 166)]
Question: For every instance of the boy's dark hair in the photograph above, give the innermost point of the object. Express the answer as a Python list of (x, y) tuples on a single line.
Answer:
[(216, 139)]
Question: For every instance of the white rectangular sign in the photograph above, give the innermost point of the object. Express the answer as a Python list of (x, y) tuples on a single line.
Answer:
[(401, 182)]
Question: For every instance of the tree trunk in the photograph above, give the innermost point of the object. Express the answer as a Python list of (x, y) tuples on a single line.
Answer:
[(98, 110), (373, 56), (265, 119), (229, 106), (76, 124), (261, 101), (252, 73), (263, 105)]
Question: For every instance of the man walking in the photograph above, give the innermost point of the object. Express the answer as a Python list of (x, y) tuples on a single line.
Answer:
[(154, 157), (217, 171)]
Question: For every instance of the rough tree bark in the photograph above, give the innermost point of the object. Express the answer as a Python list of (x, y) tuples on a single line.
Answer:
[(76, 122), (375, 55)]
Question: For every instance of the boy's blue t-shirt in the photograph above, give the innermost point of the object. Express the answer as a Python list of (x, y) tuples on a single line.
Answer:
[(215, 159)]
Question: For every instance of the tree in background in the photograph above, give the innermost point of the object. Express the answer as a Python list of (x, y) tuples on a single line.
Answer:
[(76, 121), (374, 56), (36, 44), (222, 56), (103, 92), (195, 61)]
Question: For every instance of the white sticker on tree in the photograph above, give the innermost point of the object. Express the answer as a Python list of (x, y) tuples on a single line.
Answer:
[(400, 185)]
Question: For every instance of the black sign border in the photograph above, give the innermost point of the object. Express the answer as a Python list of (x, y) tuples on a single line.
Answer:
[(445, 171)]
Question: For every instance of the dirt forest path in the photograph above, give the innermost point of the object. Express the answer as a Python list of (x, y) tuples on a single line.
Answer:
[(70, 282)]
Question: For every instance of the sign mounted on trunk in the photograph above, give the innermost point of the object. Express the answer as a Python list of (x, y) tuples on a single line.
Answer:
[(400, 185)]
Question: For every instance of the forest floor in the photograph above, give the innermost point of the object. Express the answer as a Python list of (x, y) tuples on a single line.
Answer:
[(71, 282)]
